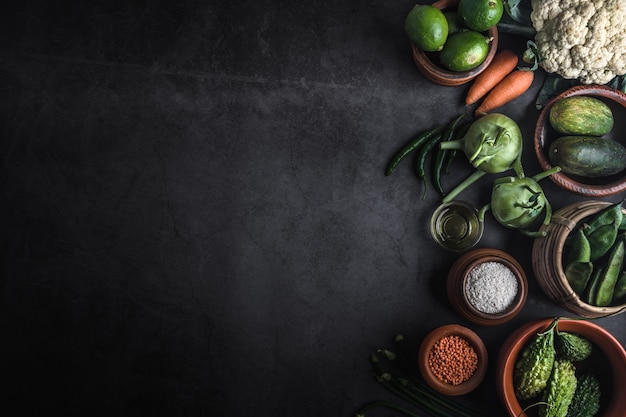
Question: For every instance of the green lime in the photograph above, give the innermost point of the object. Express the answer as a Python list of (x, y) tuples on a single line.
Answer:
[(426, 27), (480, 15), (464, 51), (454, 22)]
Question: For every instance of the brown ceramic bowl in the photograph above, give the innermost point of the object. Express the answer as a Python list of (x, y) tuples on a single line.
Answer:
[(608, 356), (547, 260), (477, 344), (458, 277), (545, 134), (428, 65)]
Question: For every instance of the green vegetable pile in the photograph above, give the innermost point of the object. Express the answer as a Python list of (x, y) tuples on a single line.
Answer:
[(594, 257), (546, 372)]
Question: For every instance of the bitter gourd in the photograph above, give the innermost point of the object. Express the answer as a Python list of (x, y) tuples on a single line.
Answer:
[(534, 365), (560, 390), (572, 347), (586, 401)]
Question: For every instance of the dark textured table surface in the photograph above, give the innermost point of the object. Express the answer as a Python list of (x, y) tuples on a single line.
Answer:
[(195, 217)]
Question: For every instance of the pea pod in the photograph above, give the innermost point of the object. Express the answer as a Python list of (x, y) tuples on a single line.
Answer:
[(604, 293), (594, 283), (578, 274), (620, 288), (580, 249), (609, 215), (602, 240)]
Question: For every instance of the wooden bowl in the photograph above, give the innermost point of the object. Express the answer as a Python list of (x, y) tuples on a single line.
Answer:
[(545, 134), (427, 64), (608, 356), (475, 342), (547, 260), (457, 283)]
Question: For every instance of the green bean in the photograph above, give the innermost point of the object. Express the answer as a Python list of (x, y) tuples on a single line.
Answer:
[(440, 158), (420, 161), (414, 144)]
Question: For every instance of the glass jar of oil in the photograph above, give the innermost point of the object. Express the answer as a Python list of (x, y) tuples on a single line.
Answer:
[(455, 226)]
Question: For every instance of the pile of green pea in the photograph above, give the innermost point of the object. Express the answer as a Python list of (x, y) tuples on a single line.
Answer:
[(594, 257)]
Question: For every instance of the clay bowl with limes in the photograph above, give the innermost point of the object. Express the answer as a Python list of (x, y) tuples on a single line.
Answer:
[(429, 63)]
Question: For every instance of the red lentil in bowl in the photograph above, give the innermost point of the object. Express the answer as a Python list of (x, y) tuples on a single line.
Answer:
[(452, 359)]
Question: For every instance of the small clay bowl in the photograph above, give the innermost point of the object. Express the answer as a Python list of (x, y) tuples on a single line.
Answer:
[(427, 64), (458, 277), (475, 342), (545, 134), (608, 357)]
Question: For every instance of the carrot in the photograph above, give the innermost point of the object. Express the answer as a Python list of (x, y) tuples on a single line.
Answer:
[(512, 86), (503, 63)]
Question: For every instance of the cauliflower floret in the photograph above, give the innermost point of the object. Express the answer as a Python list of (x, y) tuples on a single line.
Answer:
[(581, 39)]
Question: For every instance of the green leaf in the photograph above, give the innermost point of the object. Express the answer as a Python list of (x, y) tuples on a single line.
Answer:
[(618, 83), (518, 10), (553, 85)]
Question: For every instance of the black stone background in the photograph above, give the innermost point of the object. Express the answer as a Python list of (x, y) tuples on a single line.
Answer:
[(195, 220)]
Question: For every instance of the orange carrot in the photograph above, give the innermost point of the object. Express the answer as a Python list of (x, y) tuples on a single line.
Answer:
[(512, 86), (503, 63)]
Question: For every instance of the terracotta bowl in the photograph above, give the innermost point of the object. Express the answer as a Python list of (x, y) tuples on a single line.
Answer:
[(458, 277), (545, 134), (427, 64), (547, 260), (608, 355), (477, 344)]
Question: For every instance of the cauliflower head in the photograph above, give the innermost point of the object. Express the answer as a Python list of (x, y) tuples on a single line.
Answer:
[(581, 39)]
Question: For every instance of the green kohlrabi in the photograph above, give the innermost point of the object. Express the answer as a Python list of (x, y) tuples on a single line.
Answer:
[(517, 202), (492, 144)]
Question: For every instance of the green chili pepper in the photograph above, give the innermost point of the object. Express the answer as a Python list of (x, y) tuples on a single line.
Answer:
[(604, 293), (420, 161), (414, 144), (440, 158), (459, 134)]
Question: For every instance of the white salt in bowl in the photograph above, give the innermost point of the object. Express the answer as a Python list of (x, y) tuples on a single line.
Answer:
[(487, 286)]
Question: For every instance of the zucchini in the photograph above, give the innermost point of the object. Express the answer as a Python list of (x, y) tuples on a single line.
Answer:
[(581, 115), (587, 156)]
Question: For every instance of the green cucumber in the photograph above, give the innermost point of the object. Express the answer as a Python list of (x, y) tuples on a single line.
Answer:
[(587, 156), (581, 115)]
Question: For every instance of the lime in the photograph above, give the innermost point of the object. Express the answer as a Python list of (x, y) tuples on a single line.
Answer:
[(454, 22), (464, 51), (480, 15), (427, 27)]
